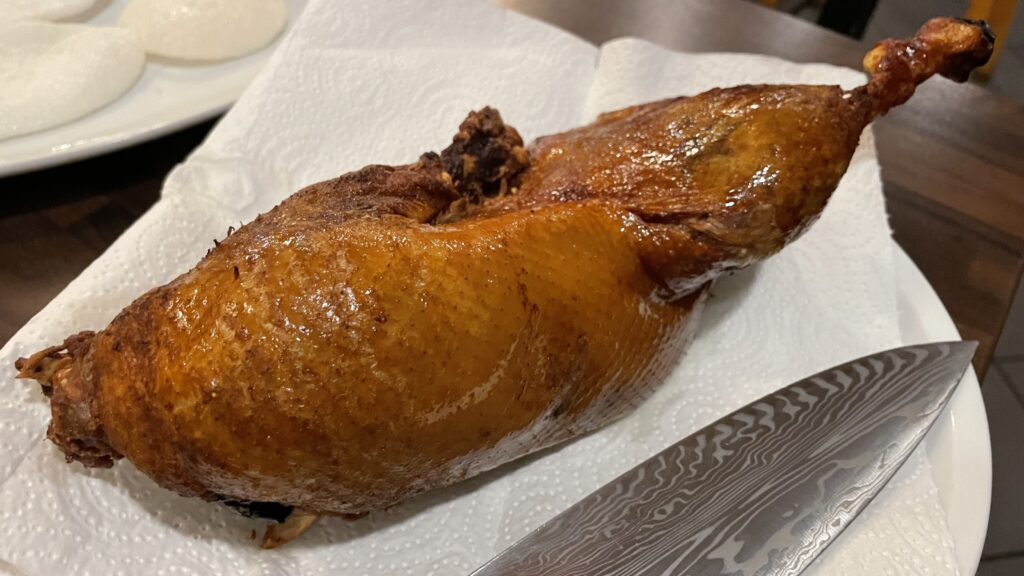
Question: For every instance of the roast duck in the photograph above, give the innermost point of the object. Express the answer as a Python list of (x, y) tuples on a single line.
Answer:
[(400, 328)]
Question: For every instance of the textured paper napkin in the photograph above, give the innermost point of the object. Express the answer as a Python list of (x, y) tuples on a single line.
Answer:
[(358, 83)]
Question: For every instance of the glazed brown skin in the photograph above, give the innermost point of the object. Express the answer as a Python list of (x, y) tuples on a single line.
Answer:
[(720, 180), (402, 328), (405, 357)]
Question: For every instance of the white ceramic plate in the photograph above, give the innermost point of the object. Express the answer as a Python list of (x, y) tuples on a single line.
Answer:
[(168, 97), (958, 446)]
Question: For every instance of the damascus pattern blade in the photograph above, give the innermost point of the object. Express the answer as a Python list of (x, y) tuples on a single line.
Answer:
[(761, 491)]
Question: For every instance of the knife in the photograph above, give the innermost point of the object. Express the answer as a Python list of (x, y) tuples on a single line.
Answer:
[(761, 491)]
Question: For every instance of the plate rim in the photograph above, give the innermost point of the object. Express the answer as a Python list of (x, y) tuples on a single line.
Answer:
[(66, 148), (113, 142), (958, 446)]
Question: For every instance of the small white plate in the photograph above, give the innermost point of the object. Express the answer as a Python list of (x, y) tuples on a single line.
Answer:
[(167, 97), (958, 446)]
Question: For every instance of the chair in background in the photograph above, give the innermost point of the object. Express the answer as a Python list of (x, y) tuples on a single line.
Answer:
[(849, 17)]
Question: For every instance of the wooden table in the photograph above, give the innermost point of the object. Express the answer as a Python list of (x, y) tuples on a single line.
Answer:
[(951, 160)]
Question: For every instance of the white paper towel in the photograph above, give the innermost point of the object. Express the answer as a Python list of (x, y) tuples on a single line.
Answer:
[(358, 83)]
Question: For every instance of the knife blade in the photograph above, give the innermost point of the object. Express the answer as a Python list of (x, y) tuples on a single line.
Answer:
[(761, 491)]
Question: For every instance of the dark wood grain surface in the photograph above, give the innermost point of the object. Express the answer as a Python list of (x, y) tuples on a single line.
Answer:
[(54, 222), (951, 159)]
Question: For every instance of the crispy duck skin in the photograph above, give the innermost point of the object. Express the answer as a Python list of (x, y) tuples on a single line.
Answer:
[(402, 328)]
